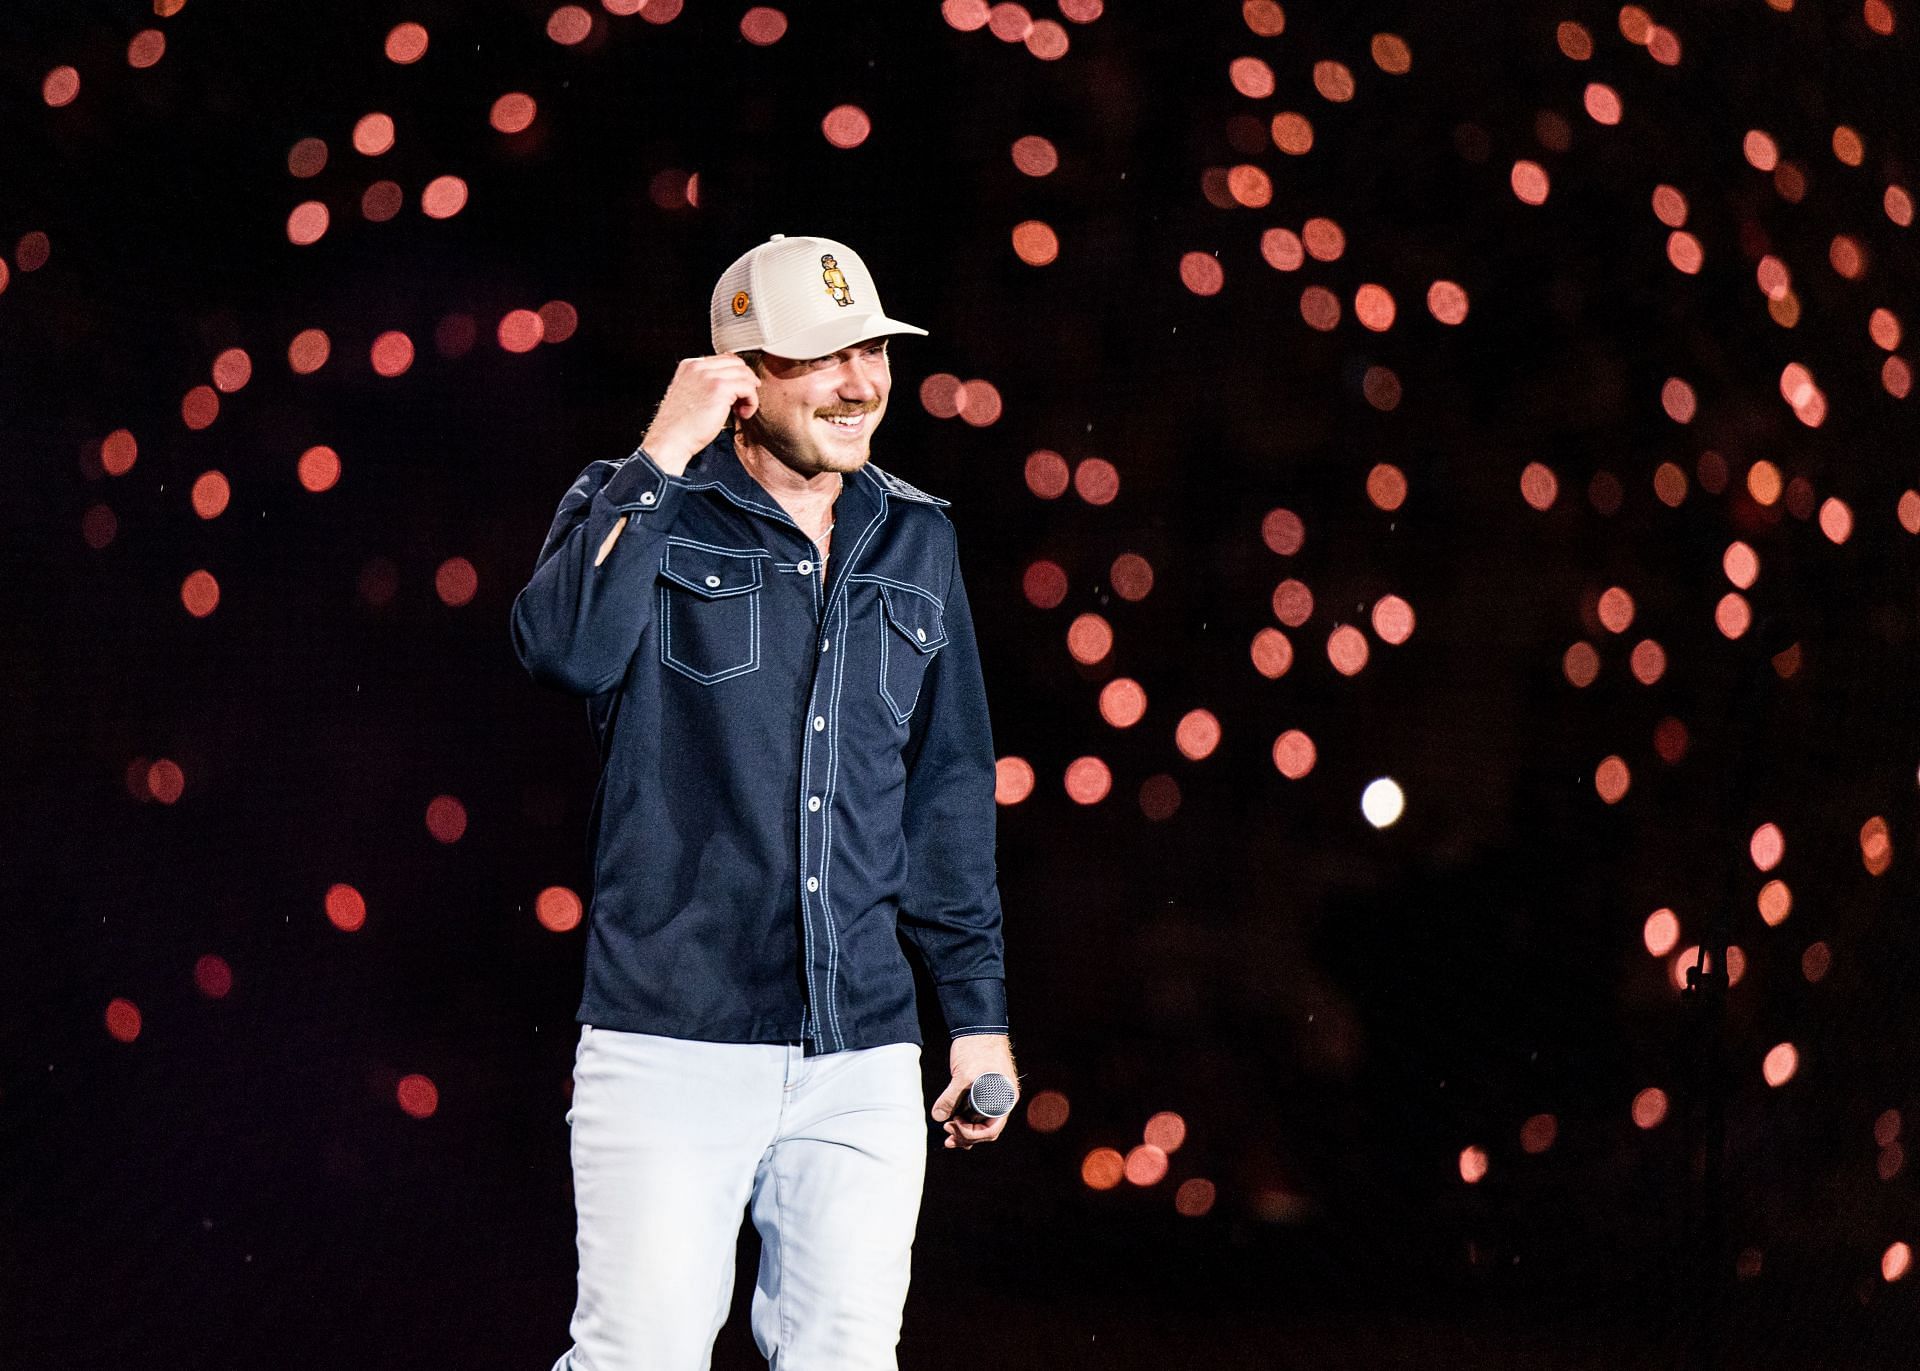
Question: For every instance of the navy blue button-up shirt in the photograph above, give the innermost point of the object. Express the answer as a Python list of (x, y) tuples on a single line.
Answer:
[(796, 776)]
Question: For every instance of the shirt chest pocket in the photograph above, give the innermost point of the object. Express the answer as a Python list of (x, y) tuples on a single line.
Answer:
[(709, 610), (912, 630)]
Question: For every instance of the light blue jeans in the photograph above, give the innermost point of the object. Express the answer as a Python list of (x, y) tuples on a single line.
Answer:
[(674, 1139)]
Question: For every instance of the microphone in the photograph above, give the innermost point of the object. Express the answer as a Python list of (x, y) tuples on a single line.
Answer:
[(990, 1097)]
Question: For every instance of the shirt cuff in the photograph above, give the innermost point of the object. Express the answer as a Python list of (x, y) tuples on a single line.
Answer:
[(639, 486), (977, 1006)]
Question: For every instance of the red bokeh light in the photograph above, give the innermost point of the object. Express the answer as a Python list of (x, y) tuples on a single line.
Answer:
[(346, 908), (417, 1096), (558, 909), (123, 1020), (212, 977)]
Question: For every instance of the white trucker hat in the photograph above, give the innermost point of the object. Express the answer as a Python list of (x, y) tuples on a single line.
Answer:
[(798, 297)]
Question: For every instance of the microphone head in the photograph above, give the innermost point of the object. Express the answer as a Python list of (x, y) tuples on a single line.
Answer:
[(992, 1095)]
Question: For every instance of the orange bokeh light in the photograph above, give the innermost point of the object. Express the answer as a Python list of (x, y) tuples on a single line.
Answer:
[(60, 87), (1294, 754), (1283, 531), (307, 223), (1122, 702), (846, 126), (1661, 932), (1530, 182), (1393, 619), (1612, 779), (318, 468), (406, 43), (1387, 486), (1292, 603), (1088, 780), (513, 112), (1035, 243), (444, 197), (1197, 734), (1272, 654), (1012, 780), (1250, 76), (558, 909), (1473, 1165), (1447, 302), (1347, 649), (200, 593), (308, 351), (165, 781), (1089, 639), (1146, 1165), (391, 353), (1103, 1168), (1775, 902), (232, 369), (1650, 1107), (456, 582), (210, 494), (1131, 576), (1195, 1197), (1047, 1112), (520, 330), (118, 451), (1166, 1131), (1095, 480), (1045, 584), (1292, 133), (1539, 487)]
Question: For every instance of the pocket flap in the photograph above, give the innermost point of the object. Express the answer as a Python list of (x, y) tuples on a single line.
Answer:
[(711, 572), (916, 617)]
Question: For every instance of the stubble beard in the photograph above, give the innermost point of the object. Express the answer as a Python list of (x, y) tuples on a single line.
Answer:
[(802, 453)]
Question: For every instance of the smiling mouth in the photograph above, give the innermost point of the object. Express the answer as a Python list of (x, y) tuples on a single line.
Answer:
[(851, 424)]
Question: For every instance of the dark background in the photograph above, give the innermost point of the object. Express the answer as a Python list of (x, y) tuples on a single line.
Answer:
[(1336, 1011)]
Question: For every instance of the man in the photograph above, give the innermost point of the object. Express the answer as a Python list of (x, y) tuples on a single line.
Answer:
[(796, 785)]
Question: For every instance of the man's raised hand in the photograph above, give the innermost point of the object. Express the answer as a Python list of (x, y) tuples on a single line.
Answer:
[(705, 393)]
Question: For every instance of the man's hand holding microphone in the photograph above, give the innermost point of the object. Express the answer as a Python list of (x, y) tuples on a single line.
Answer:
[(976, 1058)]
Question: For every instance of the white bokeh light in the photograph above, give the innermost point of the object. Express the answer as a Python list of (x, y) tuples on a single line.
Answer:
[(1382, 801)]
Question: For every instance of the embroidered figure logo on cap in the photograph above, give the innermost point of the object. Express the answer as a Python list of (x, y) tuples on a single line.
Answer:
[(836, 280), (740, 303)]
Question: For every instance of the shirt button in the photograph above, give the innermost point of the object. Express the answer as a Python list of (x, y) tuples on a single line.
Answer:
[(921, 634), (824, 642), (813, 803), (818, 723), (813, 883), (805, 568), (646, 497), (713, 580)]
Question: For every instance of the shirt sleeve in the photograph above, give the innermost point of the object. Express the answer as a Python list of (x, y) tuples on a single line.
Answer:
[(950, 911), (578, 620)]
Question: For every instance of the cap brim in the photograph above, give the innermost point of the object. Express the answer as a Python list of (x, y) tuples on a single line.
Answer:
[(835, 334)]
